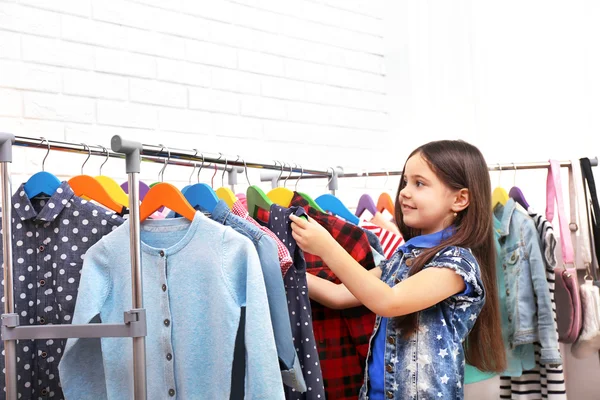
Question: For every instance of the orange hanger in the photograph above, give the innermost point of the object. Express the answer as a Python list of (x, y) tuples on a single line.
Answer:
[(385, 202), (88, 187), (166, 195), (85, 185)]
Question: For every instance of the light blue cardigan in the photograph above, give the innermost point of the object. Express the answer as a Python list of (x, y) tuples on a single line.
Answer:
[(209, 271)]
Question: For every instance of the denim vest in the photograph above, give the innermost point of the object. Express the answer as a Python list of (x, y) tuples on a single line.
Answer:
[(528, 303), (430, 364)]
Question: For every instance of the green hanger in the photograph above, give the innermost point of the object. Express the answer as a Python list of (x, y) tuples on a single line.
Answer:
[(310, 201), (256, 198)]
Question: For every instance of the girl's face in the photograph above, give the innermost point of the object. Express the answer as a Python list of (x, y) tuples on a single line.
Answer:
[(426, 201)]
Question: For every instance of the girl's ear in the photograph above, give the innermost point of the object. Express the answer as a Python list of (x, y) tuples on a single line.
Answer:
[(461, 200)]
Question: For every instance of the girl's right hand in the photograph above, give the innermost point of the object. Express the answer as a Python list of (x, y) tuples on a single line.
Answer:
[(311, 236)]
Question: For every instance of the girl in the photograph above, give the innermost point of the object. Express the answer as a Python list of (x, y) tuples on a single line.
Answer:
[(436, 298)]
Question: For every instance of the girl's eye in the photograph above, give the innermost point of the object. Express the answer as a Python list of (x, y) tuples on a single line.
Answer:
[(419, 183)]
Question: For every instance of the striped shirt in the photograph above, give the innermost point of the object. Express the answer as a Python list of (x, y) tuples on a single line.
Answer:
[(389, 240), (543, 381)]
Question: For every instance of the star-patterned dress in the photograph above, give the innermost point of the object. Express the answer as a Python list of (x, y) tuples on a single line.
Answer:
[(430, 364)]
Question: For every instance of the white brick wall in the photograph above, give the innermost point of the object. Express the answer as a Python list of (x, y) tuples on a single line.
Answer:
[(299, 81)]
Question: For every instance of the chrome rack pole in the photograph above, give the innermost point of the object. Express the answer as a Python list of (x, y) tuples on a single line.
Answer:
[(10, 346), (132, 151)]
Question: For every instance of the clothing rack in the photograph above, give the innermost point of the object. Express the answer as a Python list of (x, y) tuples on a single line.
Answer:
[(134, 325)]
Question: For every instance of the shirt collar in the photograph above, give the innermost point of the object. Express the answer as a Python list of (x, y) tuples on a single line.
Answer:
[(503, 214), (427, 241), (220, 212), (51, 209)]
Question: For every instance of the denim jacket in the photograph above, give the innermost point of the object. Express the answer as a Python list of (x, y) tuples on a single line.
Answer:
[(528, 302), (430, 364), (291, 371)]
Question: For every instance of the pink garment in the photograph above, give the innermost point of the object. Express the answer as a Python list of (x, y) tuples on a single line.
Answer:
[(242, 197), (285, 260)]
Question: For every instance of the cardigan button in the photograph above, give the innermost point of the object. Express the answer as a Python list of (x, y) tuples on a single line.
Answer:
[(171, 392), (389, 368), (162, 253), (409, 262), (167, 322)]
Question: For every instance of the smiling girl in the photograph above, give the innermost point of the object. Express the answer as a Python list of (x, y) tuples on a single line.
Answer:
[(436, 297)]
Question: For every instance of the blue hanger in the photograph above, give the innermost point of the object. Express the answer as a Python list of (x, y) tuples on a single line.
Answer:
[(201, 196), (42, 182), (332, 204), (365, 203)]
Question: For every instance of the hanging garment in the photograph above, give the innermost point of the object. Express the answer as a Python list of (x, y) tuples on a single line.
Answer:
[(543, 381), (299, 305), (283, 252), (267, 253), (342, 335), (527, 294), (197, 276), (374, 242), (50, 238), (389, 240)]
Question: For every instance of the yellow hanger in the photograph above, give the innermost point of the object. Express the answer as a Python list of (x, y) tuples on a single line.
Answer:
[(115, 191), (224, 193), (281, 195), (499, 195)]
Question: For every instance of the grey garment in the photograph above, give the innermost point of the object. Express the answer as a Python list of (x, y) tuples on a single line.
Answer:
[(280, 320), (50, 238), (374, 241), (296, 290)]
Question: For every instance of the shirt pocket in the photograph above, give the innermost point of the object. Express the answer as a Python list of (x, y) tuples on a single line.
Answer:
[(511, 265), (68, 275)]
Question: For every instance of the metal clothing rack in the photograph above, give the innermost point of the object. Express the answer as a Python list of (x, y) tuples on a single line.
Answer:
[(134, 325)]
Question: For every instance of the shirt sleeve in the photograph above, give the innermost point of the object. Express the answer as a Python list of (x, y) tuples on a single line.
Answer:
[(81, 367), (466, 267), (550, 353), (243, 272)]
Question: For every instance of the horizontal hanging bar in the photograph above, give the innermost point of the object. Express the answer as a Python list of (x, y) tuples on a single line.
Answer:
[(491, 167), (134, 326), (157, 154)]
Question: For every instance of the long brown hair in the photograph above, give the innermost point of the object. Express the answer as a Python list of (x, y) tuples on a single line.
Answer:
[(459, 165)]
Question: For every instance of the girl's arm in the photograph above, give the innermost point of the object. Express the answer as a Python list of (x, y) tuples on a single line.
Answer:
[(333, 295), (420, 291)]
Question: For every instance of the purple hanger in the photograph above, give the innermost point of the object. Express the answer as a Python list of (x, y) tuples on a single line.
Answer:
[(517, 195), (143, 189), (365, 203)]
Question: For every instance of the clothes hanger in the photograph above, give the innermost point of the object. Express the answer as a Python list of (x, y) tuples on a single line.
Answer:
[(499, 195), (225, 193), (201, 195), (385, 201), (42, 183), (115, 191), (281, 195), (256, 199), (88, 187), (365, 203), (166, 195), (332, 204), (310, 200), (516, 194)]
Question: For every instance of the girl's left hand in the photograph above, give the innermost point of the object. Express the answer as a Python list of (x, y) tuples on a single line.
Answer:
[(311, 236)]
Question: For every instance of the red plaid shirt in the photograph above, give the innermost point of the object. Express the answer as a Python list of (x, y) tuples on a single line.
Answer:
[(342, 335), (285, 260)]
